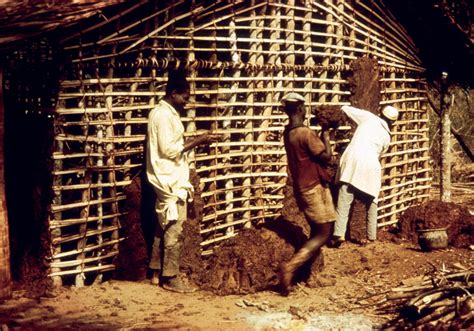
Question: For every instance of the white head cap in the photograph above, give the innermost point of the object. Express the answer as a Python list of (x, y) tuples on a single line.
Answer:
[(390, 112), (293, 97)]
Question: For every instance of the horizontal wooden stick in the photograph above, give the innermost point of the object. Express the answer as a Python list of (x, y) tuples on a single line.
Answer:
[(54, 224), (62, 208), (220, 213), (105, 267), (271, 186), (96, 168), (104, 140), (73, 263), (128, 152), (243, 175), (87, 249), (271, 198), (91, 185), (89, 233)]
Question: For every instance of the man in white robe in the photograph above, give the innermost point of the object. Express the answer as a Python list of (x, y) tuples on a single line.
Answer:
[(168, 173), (359, 170)]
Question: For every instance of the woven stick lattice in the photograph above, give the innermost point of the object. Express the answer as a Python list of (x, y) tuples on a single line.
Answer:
[(241, 58)]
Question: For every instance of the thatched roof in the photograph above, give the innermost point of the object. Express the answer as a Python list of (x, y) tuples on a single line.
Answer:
[(21, 19)]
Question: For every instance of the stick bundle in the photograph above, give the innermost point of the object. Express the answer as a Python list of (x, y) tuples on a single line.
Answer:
[(442, 300)]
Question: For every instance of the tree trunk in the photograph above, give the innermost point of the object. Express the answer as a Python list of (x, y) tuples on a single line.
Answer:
[(5, 276), (445, 176)]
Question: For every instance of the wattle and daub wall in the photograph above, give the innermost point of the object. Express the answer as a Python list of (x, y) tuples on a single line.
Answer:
[(242, 57)]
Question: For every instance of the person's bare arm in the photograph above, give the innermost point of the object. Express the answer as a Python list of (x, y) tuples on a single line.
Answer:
[(203, 139), (327, 154)]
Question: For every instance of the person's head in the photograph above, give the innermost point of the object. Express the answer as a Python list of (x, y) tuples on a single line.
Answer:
[(389, 114), (177, 89), (293, 104)]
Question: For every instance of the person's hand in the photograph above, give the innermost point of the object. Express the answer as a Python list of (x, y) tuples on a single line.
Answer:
[(325, 134), (209, 137)]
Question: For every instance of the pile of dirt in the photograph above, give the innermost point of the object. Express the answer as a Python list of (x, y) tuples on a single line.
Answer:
[(434, 214), (250, 261), (246, 263)]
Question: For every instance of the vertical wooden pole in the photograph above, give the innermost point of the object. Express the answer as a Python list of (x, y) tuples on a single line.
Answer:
[(308, 58), (339, 60), (214, 86), (255, 48), (424, 118), (445, 175), (267, 110), (191, 112), (86, 194), (229, 184), (57, 199), (5, 274)]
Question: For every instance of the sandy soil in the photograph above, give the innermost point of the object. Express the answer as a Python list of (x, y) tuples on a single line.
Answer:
[(351, 272)]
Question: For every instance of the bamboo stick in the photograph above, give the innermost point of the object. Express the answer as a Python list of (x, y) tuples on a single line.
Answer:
[(243, 166), (214, 104), (84, 213), (260, 208), (68, 264), (57, 200), (136, 150), (108, 21), (225, 17), (88, 248), (141, 21), (198, 92), (268, 197), (61, 208), (368, 32), (74, 221), (235, 56), (88, 233), (256, 32), (106, 267), (95, 168), (130, 80), (100, 139), (216, 191)]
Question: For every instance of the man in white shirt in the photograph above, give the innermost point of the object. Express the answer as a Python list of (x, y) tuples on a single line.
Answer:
[(168, 173), (359, 170)]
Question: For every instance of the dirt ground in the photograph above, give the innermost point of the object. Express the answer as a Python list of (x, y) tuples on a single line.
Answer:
[(350, 273)]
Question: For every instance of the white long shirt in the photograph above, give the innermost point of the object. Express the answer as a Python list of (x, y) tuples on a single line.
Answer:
[(167, 166), (360, 162)]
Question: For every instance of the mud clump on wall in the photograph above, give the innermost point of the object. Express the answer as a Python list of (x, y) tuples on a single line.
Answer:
[(131, 263), (364, 84), (191, 261), (433, 214), (329, 116)]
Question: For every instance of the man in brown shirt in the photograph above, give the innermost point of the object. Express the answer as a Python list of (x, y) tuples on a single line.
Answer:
[(307, 155)]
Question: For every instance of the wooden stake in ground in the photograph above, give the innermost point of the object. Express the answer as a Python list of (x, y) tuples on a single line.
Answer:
[(445, 175)]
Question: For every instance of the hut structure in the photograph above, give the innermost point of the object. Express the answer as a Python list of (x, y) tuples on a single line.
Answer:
[(242, 57)]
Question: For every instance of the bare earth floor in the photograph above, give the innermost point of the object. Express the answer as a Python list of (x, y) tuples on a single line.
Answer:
[(351, 272)]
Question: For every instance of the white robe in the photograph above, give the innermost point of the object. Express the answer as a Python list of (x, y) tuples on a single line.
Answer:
[(360, 162), (167, 166)]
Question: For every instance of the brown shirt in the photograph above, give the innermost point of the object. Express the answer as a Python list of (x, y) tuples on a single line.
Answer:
[(302, 147)]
